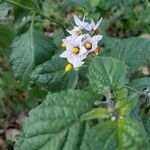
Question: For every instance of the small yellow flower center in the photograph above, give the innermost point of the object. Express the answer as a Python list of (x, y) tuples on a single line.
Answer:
[(68, 67), (76, 50), (63, 45), (88, 45)]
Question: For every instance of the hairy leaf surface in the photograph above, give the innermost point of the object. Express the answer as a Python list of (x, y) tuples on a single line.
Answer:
[(122, 135), (29, 50), (107, 72), (141, 83), (51, 75), (56, 124), (6, 36), (133, 51)]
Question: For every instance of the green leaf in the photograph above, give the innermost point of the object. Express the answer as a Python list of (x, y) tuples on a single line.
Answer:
[(55, 124), (6, 36), (19, 11), (96, 113), (29, 50), (107, 72), (134, 52), (77, 3), (57, 37), (51, 75), (141, 83), (122, 135), (146, 123), (37, 2), (126, 106)]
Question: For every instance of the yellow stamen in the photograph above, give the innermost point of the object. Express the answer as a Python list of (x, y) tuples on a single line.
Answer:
[(88, 45), (98, 50), (68, 67), (76, 50), (63, 45)]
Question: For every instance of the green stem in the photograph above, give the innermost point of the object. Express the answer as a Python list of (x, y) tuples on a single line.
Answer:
[(59, 22), (20, 5), (32, 21)]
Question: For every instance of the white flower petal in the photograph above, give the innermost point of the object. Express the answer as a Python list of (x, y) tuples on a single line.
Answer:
[(70, 31), (65, 54), (96, 38), (98, 23), (77, 21), (86, 26), (77, 62), (83, 18), (82, 51), (91, 26)]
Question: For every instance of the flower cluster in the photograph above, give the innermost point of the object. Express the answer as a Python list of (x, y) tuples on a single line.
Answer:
[(78, 45)]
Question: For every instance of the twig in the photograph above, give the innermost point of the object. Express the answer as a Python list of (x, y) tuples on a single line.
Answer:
[(59, 22)]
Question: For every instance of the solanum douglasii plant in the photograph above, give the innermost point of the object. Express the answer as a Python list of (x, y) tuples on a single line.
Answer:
[(96, 99)]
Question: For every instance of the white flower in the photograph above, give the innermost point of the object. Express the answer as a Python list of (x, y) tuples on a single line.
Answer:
[(79, 26), (79, 23), (75, 31), (92, 26), (91, 43), (78, 45), (75, 51)]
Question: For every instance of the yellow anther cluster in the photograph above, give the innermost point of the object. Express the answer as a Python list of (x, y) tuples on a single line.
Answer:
[(88, 45), (76, 50), (97, 31), (98, 50), (68, 67)]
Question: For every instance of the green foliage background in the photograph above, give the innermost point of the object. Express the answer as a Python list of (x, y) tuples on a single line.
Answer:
[(75, 110)]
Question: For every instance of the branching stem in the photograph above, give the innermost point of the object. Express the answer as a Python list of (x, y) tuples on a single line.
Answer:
[(54, 20)]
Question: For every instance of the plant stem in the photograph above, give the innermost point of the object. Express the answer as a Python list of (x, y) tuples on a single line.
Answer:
[(20, 5), (59, 22), (32, 20)]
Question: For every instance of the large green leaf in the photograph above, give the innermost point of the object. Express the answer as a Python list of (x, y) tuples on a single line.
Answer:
[(29, 50), (107, 72), (122, 135), (6, 36), (77, 3), (56, 124), (134, 52), (19, 11), (51, 75), (57, 38), (146, 122), (141, 83)]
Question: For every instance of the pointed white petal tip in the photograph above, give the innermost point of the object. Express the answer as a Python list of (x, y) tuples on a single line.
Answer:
[(77, 21)]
